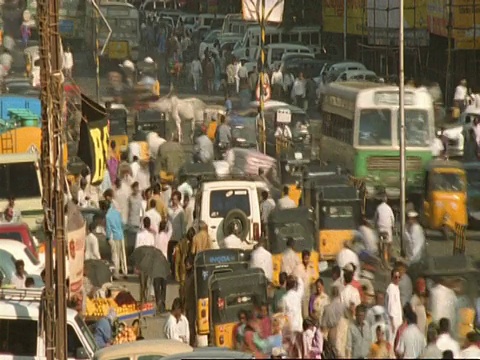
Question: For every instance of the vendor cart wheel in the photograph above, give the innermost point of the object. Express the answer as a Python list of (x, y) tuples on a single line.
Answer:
[(239, 218)]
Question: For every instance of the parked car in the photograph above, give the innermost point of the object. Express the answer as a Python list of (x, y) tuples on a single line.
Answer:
[(20, 252), (145, 349), (21, 233)]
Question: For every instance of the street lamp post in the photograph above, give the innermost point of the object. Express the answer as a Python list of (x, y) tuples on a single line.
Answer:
[(402, 126)]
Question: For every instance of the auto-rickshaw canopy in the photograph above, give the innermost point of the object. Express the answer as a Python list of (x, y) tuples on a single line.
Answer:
[(235, 291), (219, 260), (446, 175), (200, 171), (297, 223), (117, 116), (151, 120)]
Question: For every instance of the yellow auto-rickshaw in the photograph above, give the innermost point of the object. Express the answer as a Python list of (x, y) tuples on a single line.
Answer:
[(445, 198), (206, 264), (338, 211), (117, 117), (299, 224), (231, 292)]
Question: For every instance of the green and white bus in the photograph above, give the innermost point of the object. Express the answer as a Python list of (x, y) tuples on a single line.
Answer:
[(360, 132), (72, 21)]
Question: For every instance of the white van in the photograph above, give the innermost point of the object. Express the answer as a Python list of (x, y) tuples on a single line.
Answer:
[(221, 203), (20, 176), (20, 328)]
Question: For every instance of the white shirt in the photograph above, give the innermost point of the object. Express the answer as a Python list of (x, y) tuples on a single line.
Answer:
[(415, 242), (81, 197), (347, 256), (370, 239), (67, 60), (290, 261), (472, 352), (232, 241), (443, 303), (144, 238), (92, 250), (286, 203), (277, 78), (291, 303), (135, 166), (143, 178), (460, 93), (18, 282), (384, 218), (262, 259), (445, 342), (242, 72), (155, 219), (350, 295), (393, 304), (196, 67), (412, 343), (177, 330), (162, 239), (121, 196), (186, 189), (299, 88)]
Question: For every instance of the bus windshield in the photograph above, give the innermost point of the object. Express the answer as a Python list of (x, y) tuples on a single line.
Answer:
[(417, 132), (450, 182), (375, 127)]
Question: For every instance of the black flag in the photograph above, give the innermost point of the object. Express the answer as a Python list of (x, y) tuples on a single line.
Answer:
[(94, 141)]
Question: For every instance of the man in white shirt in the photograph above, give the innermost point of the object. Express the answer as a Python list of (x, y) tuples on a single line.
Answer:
[(348, 256), (92, 251), (196, 72), (232, 241), (286, 202), (145, 237), (299, 91), (163, 237), (460, 95), (368, 237), (18, 279), (277, 84), (262, 259), (154, 215), (350, 295), (443, 302), (122, 194), (266, 207), (445, 341), (412, 341), (135, 166), (393, 303), (471, 351), (290, 259), (177, 327), (414, 238), (291, 303), (384, 222)]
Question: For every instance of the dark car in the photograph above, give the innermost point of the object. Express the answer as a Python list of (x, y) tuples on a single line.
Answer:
[(244, 130)]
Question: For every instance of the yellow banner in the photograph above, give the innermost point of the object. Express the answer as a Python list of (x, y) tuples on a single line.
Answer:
[(333, 15), (466, 13)]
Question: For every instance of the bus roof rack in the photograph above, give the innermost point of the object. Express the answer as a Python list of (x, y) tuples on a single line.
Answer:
[(30, 294)]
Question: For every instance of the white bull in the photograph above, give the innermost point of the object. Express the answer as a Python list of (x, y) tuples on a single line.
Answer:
[(181, 110)]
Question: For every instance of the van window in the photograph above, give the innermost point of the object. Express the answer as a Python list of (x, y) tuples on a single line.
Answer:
[(18, 337), (277, 54), (223, 201), (9, 184), (73, 342)]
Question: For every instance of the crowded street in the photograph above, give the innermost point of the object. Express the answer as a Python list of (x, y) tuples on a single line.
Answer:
[(243, 179)]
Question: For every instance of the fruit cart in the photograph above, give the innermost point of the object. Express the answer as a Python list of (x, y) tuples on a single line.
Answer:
[(125, 305)]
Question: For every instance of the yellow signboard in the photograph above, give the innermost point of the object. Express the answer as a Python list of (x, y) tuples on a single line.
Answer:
[(333, 15), (465, 14)]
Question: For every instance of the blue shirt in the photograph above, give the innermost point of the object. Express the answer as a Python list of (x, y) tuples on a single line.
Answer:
[(103, 332), (114, 224)]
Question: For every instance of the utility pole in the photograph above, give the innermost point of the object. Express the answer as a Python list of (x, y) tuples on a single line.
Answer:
[(58, 102), (345, 28), (403, 199), (53, 176), (48, 303), (262, 74)]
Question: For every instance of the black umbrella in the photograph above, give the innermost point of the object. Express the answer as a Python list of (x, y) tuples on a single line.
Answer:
[(151, 262), (98, 272)]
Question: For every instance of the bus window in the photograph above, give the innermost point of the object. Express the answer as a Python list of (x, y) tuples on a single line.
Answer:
[(285, 38), (338, 127), (275, 39), (375, 127), (416, 128), (305, 38), (315, 38), (294, 37)]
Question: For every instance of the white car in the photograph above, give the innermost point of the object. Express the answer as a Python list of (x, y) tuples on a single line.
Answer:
[(20, 252)]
